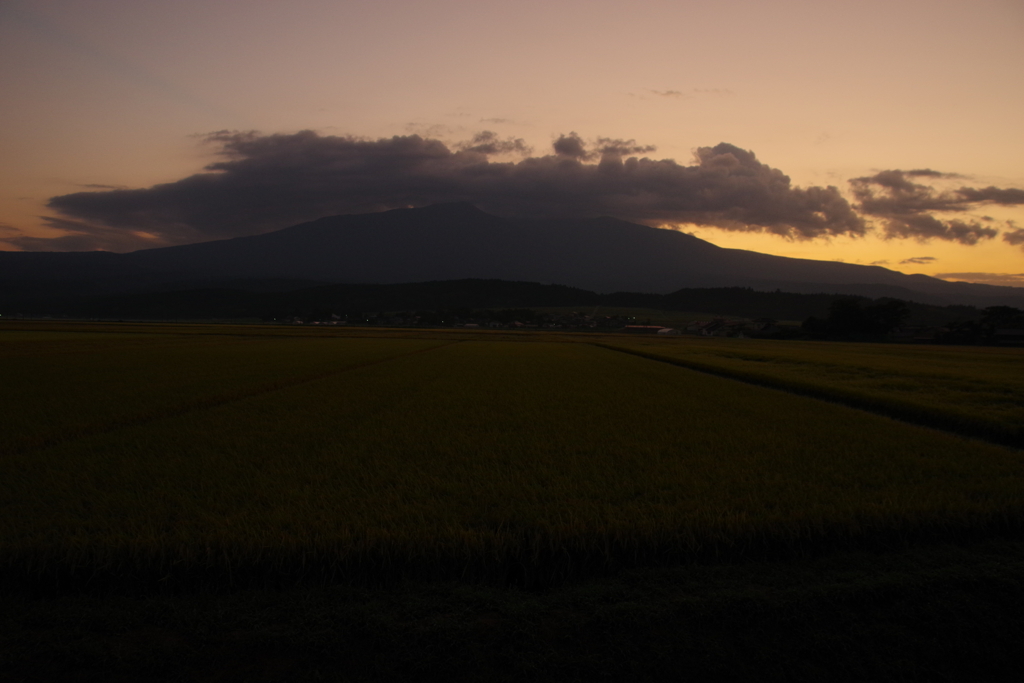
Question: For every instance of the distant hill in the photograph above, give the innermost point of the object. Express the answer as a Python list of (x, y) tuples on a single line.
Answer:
[(455, 242)]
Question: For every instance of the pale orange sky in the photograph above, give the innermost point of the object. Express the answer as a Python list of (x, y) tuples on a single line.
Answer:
[(116, 92)]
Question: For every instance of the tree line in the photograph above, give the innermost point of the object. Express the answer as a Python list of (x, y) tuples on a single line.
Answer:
[(857, 319)]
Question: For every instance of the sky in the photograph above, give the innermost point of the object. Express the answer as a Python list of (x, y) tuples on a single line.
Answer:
[(868, 132)]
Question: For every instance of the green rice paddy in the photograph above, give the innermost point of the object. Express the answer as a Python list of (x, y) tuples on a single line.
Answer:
[(239, 455)]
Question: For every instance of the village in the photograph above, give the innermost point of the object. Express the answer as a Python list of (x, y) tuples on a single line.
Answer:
[(1005, 333), (528, 319)]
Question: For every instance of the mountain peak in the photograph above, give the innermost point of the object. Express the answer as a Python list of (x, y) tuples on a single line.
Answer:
[(448, 209)]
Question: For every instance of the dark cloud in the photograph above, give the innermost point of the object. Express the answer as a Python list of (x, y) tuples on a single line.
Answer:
[(621, 148), (926, 227), (266, 182), (883, 262), (488, 142), (993, 195), (919, 260), (1002, 279), (667, 93), (571, 146), (1014, 236), (905, 208)]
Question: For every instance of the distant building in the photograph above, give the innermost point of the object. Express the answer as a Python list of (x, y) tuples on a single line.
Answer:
[(643, 329)]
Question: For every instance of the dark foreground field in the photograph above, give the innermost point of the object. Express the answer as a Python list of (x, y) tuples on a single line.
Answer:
[(269, 503), (939, 613)]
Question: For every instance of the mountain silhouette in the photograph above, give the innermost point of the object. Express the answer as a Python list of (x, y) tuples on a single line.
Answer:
[(458, 241)]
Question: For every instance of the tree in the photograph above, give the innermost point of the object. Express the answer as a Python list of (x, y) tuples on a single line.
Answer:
[(851, 319), (1002, 318)]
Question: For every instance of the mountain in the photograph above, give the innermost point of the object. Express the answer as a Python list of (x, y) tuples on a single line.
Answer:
[(458, 241)]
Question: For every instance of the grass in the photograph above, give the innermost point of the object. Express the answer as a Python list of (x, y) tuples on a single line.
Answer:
[(368, 461)]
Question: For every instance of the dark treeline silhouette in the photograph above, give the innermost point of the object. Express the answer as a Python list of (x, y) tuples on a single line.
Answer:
[(996, 324), (859, 320), (854, 319), (355, 301)]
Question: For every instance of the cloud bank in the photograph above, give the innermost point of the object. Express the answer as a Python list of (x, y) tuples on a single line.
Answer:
[(906, 208), (1001, 279), (266, 182)]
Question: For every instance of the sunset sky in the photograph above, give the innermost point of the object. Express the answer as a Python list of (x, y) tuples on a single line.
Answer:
[(524, 108)]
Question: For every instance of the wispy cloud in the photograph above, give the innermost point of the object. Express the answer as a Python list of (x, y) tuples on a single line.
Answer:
[(919, 260), (1002, 279), (693, 92), (81, 236), (428, 130)]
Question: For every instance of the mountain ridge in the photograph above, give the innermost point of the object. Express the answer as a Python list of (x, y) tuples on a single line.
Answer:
[(458, 241)]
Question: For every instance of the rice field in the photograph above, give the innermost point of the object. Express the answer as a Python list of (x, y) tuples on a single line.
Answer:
[(182, 460), (978, 391), (61, 385)]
